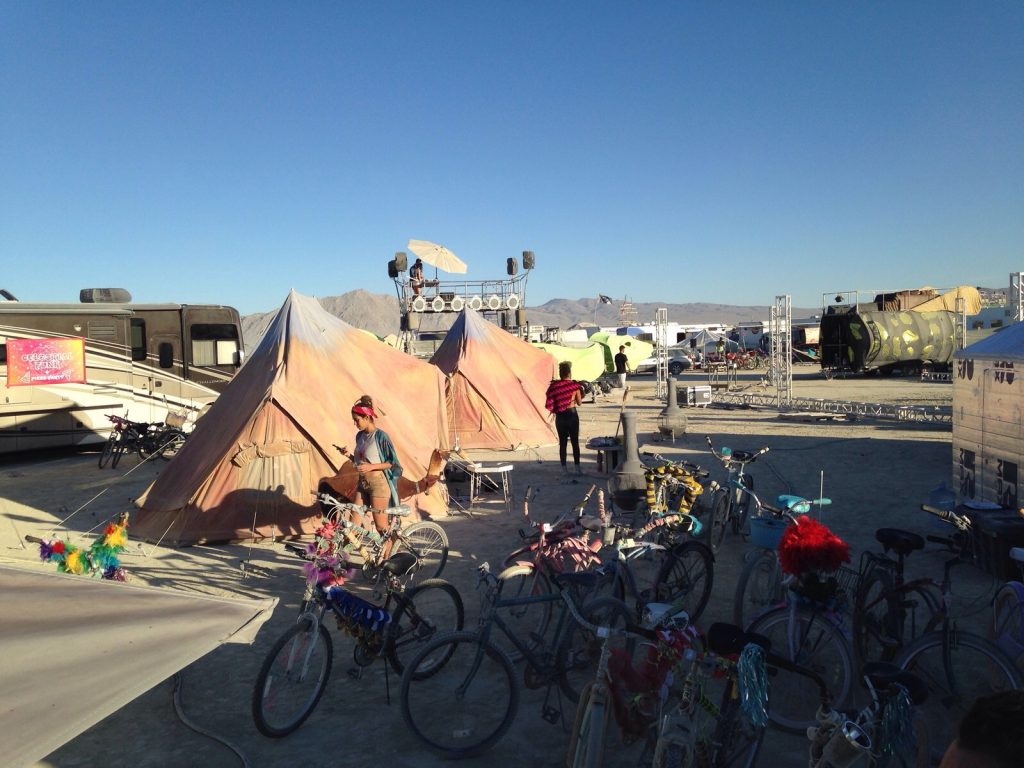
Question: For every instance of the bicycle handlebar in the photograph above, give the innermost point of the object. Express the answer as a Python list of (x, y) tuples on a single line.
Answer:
[(960, 521), (731, 456), (689, 466)]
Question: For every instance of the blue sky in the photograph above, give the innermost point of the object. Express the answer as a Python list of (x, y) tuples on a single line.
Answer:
[(687, 151)]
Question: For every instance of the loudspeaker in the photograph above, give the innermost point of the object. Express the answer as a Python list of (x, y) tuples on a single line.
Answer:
[(512, 266), (528, 260), (401, 263), (521, 317), (392, 269)]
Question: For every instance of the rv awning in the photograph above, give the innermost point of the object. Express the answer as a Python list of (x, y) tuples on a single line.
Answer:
[(74, 649)]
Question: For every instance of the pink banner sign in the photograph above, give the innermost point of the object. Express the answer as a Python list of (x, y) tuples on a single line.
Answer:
[(45, 361)]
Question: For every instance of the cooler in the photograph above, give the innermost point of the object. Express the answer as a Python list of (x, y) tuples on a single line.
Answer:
[(696, 396)]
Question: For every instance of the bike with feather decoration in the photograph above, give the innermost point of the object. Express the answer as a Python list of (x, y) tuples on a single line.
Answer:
[(396, 626)]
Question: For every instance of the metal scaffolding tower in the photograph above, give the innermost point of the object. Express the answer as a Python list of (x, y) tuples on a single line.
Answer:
[(1016, 297), (780, 371), (661, 351)]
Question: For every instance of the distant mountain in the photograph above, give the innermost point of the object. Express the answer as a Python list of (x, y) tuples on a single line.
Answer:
[(378, 313)]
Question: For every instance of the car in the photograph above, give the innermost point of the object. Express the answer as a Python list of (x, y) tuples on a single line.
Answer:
[(678, 361)]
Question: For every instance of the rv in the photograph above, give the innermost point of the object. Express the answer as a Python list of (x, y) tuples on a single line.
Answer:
[(138, 361)]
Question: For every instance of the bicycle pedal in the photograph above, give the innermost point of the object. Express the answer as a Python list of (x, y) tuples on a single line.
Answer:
[(551, 715)]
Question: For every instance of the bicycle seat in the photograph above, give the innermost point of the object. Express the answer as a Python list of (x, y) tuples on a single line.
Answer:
[(728, 639), (899, 541), (401, 563), (882, 675)]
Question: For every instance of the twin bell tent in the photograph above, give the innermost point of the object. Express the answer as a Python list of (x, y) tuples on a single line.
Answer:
[(253, 465)]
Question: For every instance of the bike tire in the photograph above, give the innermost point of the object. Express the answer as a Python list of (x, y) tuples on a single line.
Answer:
[(527, 622), (148, 445), (956, 675), (580, 648), (720, 510), (1007, 629), (688, 575), (465, 707), (429, 542), (423, 612), (736, 741), (813, 640), (759, 586), (119, 450), (169, 444), (887, 619), (292, 679), (108, 450), (593, 732)]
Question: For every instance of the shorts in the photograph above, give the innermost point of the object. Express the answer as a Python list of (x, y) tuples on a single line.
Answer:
[(374, 485)]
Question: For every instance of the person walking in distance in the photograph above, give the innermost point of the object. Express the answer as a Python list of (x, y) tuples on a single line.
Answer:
[(622, 366), (563, 396)]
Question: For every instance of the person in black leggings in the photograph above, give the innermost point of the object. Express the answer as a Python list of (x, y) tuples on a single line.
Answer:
[(563, 396)]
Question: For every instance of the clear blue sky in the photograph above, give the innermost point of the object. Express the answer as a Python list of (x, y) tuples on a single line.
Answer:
[(685, 151)]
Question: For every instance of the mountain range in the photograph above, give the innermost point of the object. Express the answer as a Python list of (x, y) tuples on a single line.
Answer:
[(379, 314)]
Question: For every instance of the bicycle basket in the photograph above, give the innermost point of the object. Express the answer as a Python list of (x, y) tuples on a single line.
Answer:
[(176, 420), (767, 531)]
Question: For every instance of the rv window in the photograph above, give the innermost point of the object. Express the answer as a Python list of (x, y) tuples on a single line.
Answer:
[(214, 344), (3, 354), (166, 352), (138, 339)]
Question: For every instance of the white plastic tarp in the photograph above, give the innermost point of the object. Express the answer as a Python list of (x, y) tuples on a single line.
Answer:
[(74, 650)]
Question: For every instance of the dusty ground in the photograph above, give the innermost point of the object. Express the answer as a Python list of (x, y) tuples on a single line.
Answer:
[(876, 472)]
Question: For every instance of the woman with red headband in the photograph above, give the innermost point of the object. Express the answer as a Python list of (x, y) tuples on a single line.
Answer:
[(376, 461)]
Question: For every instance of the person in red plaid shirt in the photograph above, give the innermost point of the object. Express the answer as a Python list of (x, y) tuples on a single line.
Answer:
[(563, 396)]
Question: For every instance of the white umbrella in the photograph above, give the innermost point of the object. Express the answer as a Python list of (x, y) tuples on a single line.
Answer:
[(437, 256)]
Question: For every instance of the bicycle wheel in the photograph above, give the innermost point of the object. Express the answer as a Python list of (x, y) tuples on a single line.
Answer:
[(423, 612), (956, 673), (719, 519), (429, 542), (1008, 622), (687, 576), (170, 443), (119, 450), (292, 679), (148, 445), (644, 564), (735, 741), (759, 586), (887, 619), (108, 449), (466, 706), (528, 622), (811, 639), (586, 744), (580, 648)]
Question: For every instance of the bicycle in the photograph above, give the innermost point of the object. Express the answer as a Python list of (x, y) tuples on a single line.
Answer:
[(425, 539), (295, 672), (1007, 629), (464, 708), (149, 440), (889, 730), (761, 584), (729, 509), (957, 666), (673, 498)]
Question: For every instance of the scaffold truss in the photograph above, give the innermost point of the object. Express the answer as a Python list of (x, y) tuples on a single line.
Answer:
[(942, 414)]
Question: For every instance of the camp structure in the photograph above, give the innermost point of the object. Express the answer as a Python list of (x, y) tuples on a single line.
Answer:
[(253, 465), (636, 351), (496, 386), (588, 361), (988, 435)]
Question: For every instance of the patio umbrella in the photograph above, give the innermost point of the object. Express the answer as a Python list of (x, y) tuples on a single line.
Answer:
[(437, 256)]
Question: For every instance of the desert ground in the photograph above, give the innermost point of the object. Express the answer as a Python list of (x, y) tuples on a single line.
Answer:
[(876, 472)]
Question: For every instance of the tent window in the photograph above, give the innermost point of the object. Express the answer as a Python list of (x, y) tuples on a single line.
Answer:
[(214, 343)]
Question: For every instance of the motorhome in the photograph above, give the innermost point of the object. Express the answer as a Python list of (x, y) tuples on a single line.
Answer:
[(138, 361)]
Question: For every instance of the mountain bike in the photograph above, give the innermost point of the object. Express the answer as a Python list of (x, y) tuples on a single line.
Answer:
[(729, 508), (295, 672), (149, 440), (465, 707)]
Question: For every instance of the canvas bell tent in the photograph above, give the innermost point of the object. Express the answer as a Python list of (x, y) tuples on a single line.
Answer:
[(496, 386), (252, 467)]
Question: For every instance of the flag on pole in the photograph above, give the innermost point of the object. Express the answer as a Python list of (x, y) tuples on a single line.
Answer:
[(604, 299)]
